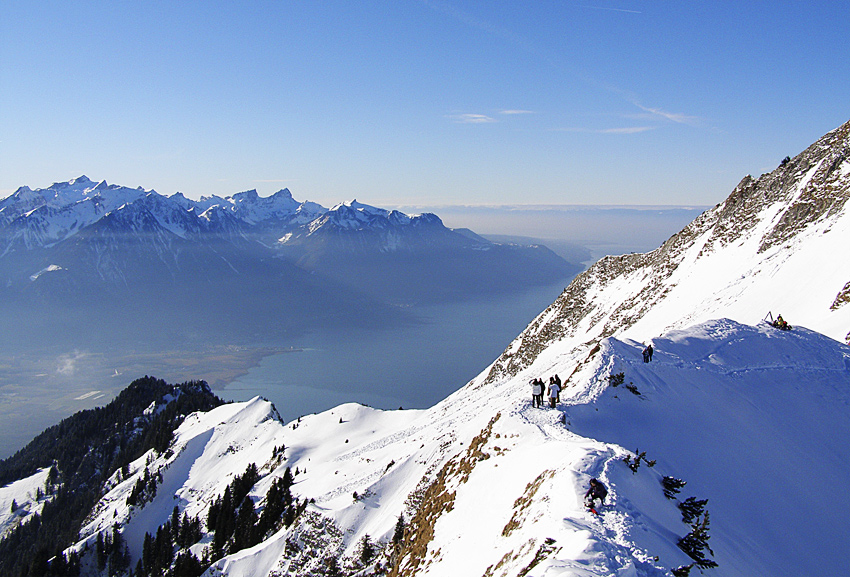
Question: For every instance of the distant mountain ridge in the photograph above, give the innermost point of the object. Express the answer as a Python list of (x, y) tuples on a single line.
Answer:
[(257, 267), (46, 216)]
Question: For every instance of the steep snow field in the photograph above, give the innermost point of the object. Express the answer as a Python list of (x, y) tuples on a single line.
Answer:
[(753, 418), (799, 280), (22, 493), (756, 421), (209, 450)]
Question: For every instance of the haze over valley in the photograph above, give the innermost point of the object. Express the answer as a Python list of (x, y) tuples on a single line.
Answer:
[(105, 283)]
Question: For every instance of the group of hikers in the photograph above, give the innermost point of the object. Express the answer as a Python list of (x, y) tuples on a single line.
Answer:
[(647, 353), (597, 490), (538, 388)]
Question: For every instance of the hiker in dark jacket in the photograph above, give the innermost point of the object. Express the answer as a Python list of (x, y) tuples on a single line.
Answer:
[(596, 491)]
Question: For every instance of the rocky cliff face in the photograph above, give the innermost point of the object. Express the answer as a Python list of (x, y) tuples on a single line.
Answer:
[(760, 232)]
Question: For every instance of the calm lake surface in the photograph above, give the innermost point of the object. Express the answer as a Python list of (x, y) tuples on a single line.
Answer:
[(411, 367)]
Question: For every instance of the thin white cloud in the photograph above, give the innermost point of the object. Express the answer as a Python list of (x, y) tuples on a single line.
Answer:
[(626, 130), (468, 19), (617, 130), (609, 9), (66, 364), (472, 118), (676, 117), (516, 112)]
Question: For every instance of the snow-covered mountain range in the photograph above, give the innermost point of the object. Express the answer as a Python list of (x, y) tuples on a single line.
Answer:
[(727, 448), (240, 267)]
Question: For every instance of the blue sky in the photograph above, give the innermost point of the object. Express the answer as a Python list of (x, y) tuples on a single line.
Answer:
[(419, 101)]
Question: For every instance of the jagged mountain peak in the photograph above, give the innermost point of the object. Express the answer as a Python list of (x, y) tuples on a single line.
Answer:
[(82, 179), (246, 195), (354, 204)]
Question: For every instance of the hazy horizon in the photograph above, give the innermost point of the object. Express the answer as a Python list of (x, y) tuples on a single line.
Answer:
[(422, 102)]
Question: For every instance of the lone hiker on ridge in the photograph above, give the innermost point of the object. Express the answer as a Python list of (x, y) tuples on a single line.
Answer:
[(596, 491)]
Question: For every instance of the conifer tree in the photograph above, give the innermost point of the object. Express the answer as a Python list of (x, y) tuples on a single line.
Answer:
[(692, 508), (398, 533), (175, 524), (695, 543), (246, 521), (100, 551), (367, 550), (672, 486)]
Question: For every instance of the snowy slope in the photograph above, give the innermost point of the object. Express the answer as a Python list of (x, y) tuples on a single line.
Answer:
[(752, 418), (489, 485), (23, 493), (208, 451)]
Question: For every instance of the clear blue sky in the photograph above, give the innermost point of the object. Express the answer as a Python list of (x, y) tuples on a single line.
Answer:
[(419, 102)]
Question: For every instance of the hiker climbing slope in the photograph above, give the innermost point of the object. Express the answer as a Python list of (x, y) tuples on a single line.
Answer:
[(596, 491)]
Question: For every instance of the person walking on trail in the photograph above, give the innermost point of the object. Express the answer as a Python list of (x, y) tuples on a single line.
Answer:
[(554, 393), (596, 491), (649, 351), (646, 355), (537, 393)]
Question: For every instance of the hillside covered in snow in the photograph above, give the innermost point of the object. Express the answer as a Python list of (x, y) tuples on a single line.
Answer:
[(726, 453), (484, 483)]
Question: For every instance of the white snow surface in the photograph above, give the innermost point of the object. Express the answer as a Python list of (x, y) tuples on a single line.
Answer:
[(47, 269), (23, 493), (750, 416), (799, 279)]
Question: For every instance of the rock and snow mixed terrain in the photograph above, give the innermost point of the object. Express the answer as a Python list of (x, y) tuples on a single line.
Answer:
[(775, 245), (752, 418)]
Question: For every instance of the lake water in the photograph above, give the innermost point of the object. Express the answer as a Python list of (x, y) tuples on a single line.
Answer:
[(412, 366)]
